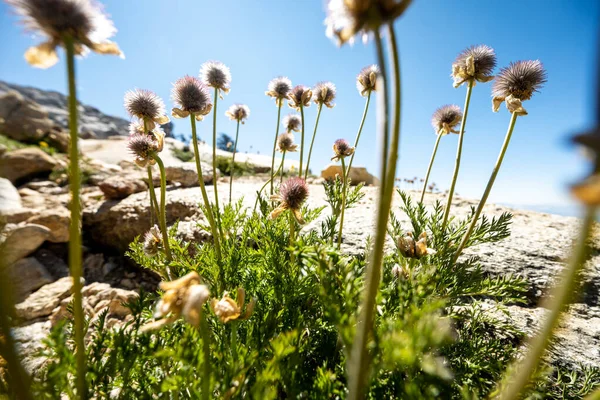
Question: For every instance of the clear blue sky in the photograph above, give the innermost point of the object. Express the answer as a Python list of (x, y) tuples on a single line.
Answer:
[(261, 39)]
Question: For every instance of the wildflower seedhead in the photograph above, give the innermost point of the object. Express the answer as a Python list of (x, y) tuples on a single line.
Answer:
[(446, 118), (366, 80), (517, 83), (285, 143), (183, 297), (192, 98), (157, 133), (292, 194), (216, 75), (341, 149), (238, 112), (324, 93), (147, 106), (279, 88), (346, 18), (411, 249), (228, 309), (143, 146), (56, 20), (152, 241), (475, 64), (292, 122), (299, 97)]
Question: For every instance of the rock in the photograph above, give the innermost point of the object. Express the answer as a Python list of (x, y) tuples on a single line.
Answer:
[(29, 340), (16, 216), (25, 163), (93, 267), (27, 275), (47, 298), (186, 174), (357, 174), (118, 187), (10, 199), (22, 241), (57, 220), (22, 119), (54, 264)]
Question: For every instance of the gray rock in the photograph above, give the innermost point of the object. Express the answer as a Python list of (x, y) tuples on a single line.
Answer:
[(29, 341), (25, 163), (57, 220), (10, 199), (27, 275), (45, 300), (22, 241), (186, 174)]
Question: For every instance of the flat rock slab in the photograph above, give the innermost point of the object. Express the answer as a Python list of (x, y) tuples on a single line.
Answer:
[(22, 241)]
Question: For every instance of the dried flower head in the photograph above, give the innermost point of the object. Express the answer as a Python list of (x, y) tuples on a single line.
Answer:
[(446, 118), (324, 93), (411, 249), (157, 133), (285, 143), (56, 20), (238, 112), (143, 147), (366, 80), (279, 88), (183, 297), (400, 271), (152, 241), (147, 106), (341, 149), (474, 63), (292, 122), (346, 18), (292, 194), (517, 83), (192, 97), (216, 74), (228, 309), (299, 97)]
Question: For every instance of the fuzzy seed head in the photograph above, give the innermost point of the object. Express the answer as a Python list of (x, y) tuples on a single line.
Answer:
[(324, 93), (152, 241), (520, 80), (474, 63), (142, 146), (216, 74), (366, 80), (341, 149), (279, 88), (299, 97), (446, 118), (156, 132), (285, 142), (238, 112), (144, 104), (292, 122), (191, 95), (294, 193)]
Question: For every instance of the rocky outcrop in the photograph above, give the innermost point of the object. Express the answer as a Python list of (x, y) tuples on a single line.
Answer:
[(27, 275), (57, 220), (186, 175), (357, 174), (10, 199), (20, 241), (25, 163)]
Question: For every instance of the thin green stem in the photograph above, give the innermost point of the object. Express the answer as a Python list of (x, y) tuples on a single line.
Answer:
[(153, 200), (206, 365), (435, 147), (153, 205), (312, 142), (292, 230), (275, 144), (344, 188), (301, 140), (280, 170), (75, 264), (234, 329), (163, 209), (488, 189), (214, 164), (385, 110), (231, 169), (209, 214), (458, 153), (360, 128), (267, 182), (520, 374)]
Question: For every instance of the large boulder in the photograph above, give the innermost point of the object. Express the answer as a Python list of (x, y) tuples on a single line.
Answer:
[(27, 275), (22, 241), (22, 119), (10, 199), (42, 302), (357, 174), (24, 163), (57, 220), (119, 187), (186, 174)]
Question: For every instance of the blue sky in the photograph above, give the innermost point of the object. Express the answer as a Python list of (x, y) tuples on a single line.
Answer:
[(261, 39)]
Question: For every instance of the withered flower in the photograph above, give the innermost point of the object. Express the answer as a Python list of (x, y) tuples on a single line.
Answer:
[(191, 97), (56, 20), (228, 309), (446, 118), (292, 122), (279, 88), (152, 241), (156, 132), (517, 83), (147, 106), (216, 75), (411, 249), (183, 297), (143, 146), (292, 194), (366, 80), (341, 149), (475, 63), (238, 112), (285, 143), (324, 93), (299, 97)]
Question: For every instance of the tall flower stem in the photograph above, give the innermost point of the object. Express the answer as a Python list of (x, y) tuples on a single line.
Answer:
[(153, 205), (275, 143), (520, 374), (360, 128), (458, 153), (214, 162), (206, 365), (163, 209), (488, 189), (280, 170), (75, 265), (301, 141), (209, 214), (270, 180), (312, 142), (435, 147), (358, 362), (344, 188), (231, 169)]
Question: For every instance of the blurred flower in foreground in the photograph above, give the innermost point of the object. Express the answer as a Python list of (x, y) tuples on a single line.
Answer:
[(292, 122), (475, 63), (299, 97), (341, 149), (292, 194), (411, 249), (216, 75), (285, 143), (324, 93), (192, 98), (146, 106), (366, 80), (183, 297), (279, 88), (517, 83), (238, 112), (228, 309), (57, 20), (446, 118)]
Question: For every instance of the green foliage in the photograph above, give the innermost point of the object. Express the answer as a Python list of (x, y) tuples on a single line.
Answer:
[(184, 154), (239, 168)]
